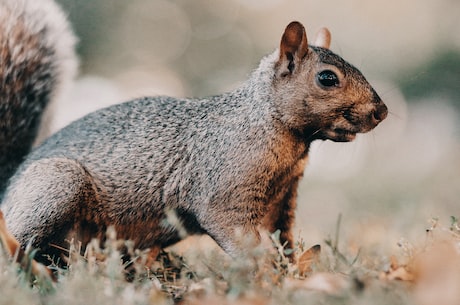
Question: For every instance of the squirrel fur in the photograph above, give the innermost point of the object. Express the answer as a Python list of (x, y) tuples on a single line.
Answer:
[(37, 59), (224, 164)]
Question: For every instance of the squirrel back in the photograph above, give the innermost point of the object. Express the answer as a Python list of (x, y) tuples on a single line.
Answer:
[(37, 59), (223, 165)]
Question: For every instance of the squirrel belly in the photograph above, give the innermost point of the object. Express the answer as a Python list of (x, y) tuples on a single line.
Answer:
[(223, 165), (37, 59)]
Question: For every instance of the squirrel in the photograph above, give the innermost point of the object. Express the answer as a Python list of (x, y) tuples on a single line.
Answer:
[(224, 164)]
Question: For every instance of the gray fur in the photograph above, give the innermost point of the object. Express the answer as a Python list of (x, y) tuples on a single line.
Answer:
[(36, 59), (224, 164)]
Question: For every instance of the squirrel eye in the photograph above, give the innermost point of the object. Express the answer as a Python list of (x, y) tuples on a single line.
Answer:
[(327, 78)]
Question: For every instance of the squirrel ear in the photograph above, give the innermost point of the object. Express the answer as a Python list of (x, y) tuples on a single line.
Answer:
[(323, 38), (293, 48)]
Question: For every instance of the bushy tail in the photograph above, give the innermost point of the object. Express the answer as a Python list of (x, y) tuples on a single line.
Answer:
[(37, 59)]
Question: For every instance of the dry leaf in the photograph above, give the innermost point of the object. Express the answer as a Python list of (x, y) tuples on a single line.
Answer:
[(434, 272), (307, 259), (9, 242), (398, 272), (13, 248), (437, 272)]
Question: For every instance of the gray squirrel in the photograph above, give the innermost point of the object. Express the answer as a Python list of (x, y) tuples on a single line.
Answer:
[(224, 164)]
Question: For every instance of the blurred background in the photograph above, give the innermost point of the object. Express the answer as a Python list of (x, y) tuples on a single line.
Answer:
[(388, 183)]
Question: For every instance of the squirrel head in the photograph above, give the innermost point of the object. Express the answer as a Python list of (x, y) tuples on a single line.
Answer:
[(318, 94)]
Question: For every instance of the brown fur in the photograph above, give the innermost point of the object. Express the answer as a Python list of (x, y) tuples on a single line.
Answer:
[(36, 57), (221, 165)]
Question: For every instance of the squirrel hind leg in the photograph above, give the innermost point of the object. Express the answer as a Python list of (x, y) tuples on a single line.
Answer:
[(49, 200)]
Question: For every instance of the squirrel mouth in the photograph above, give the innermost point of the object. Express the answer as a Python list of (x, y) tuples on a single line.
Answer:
[(341, 135)]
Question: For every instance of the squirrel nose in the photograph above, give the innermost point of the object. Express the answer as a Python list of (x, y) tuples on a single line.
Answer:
[(380, 112)]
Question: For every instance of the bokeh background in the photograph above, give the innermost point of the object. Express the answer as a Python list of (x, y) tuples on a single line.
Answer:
[(388, 183)]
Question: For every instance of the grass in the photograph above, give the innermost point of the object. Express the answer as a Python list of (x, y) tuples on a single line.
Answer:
[(339, 276)]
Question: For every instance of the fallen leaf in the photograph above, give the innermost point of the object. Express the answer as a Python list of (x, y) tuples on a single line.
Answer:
[(398, 272), (307, 259), (437, 271), (12, 246), (9, 242)]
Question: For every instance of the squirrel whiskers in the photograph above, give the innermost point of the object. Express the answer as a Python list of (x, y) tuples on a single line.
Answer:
[(226, 164)]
